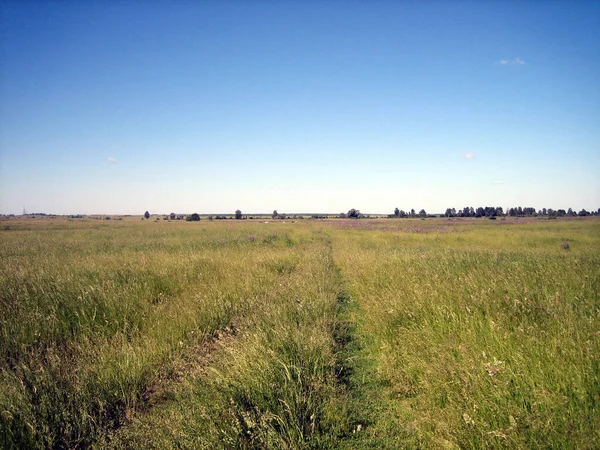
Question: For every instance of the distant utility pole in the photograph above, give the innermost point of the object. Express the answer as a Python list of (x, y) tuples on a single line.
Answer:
[(24, 211)]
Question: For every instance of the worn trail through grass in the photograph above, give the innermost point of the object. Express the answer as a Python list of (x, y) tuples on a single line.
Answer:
[(280, 382)]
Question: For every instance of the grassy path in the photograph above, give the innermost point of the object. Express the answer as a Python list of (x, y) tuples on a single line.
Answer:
[(280, 383), (97, 320), (372, 404)]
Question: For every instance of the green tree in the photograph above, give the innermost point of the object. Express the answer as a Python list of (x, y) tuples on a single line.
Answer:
[(354, 213), (238, 214), (147, 215), (193, 218)]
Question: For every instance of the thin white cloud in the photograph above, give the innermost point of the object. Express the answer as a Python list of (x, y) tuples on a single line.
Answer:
[(112, 160), (511, 62), (497, 182), (469, 155)]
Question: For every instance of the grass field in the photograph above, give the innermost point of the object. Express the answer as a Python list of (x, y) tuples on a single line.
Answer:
[(333, 334)]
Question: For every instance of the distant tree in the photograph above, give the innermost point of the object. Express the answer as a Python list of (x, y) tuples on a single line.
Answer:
[(412, 213), (354, 213), (172, 216), (193, 218), (491, 211), (147, 215), (583, 212), (448, 212), (397, 212), (561, 212), (570, 212), (343, 215), (275, 214), (544, 211), (422, 213), (238, 214)]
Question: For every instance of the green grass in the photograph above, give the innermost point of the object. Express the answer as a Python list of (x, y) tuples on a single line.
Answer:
[(479, 339), (335, 334)]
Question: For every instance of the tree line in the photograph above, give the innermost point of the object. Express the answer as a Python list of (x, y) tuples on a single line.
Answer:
[(519, 211), (467, 211), (498, 211)]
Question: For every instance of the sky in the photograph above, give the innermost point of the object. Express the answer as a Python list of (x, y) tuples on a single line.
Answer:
[(315, 106)]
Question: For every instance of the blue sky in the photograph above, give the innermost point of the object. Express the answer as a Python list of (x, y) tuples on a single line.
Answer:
[(123, 107)]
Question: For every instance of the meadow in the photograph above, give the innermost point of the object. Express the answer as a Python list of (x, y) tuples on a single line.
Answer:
[(389, 333)]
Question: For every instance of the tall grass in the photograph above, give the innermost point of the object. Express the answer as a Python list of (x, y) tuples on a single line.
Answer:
[(481, 338), (239, 334), (91, 315)]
